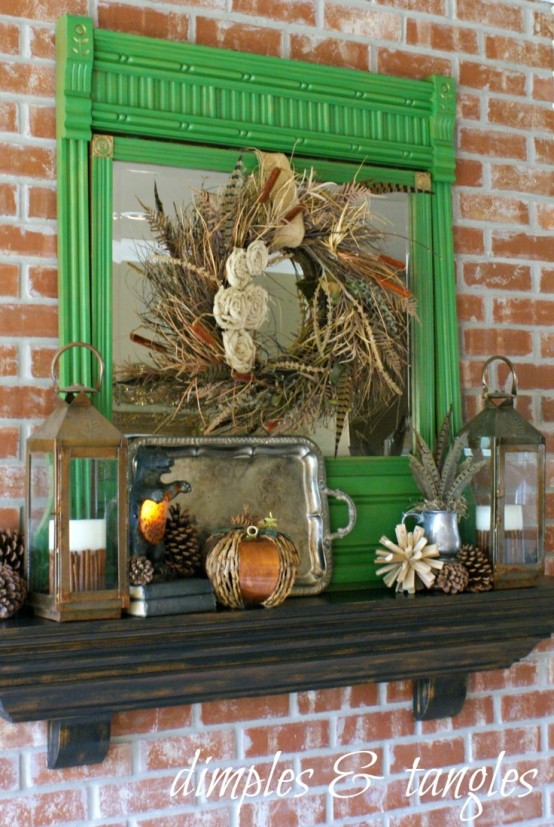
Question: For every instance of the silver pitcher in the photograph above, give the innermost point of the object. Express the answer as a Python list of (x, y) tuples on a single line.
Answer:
[(441, 527)]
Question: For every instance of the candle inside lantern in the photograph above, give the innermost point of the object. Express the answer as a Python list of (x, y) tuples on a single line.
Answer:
[(513, 530), (87, 550)]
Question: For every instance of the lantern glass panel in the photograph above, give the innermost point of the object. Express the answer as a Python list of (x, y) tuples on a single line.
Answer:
[(41, 512), (520, 471), (93, 523)]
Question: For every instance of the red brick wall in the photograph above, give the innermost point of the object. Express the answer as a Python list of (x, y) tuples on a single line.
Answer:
[(501, 55)]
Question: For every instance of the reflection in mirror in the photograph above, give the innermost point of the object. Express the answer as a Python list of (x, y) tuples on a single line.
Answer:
[(385, 432)]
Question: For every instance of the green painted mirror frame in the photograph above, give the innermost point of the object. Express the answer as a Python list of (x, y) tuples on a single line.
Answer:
[(118, 96)]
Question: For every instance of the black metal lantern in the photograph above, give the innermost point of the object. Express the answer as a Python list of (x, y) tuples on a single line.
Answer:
[(509, 490), (76, 510)]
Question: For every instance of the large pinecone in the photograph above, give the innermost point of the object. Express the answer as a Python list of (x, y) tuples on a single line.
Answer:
[(141, 571), (13, 591), (11, 550), (453, 577), (479, 569), (181, 541)]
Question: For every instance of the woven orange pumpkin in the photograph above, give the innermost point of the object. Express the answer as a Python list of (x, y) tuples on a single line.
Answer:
[(249, 566)]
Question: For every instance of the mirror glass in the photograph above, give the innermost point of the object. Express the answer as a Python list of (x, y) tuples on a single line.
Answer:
[(383, 433)]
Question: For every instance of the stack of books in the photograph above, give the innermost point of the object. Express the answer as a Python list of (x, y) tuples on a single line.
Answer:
[(191, 594)]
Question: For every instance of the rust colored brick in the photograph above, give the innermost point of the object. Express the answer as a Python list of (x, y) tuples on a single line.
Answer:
[(9, 280), (544, 150), (42, 121), (526, 706), (511, 810), (469, 173), (205, 818), (411, 64), (42, 203), (10, 441), (435, 7), (523, 245), (522, 179), (530, 312), (22, 319), (470, 308), (9, 38), (483, 342), (518, 115), (41, 362), (27, 161), (545, 216), (8, 116), (27, 79), (363, 22), (326, 700), (469, 107), (9, 773), (493, 144), (543, 25), (43, 282), (245, 709), (291, 11), (45, 12), (127, 797), (143, 21), (298, 736), (469, 240), (239, 37), (152, 720), (440, 753), (523, 673), (308, 811), (440, 817), (518, 51), (358, 804), (371, 727), (492, 78), (543, 88), (330, 51), (547, 345), (25, 402), (326, 768), (9, 362), (495, 208), (118, 762), (178, 750), (491, 13), (26, 242), (42, 42), (441, 37), (8, 199), (398, 691), (56, 807), (547, 403), (497, 275)]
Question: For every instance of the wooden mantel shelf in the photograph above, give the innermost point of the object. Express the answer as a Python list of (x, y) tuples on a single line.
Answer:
[(75, 675)]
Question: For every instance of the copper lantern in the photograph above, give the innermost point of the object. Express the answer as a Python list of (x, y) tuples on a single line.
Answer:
[(76, 510), (509, 491)]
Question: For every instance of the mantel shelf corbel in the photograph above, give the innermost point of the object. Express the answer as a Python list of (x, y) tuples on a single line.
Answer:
[(76, 675)]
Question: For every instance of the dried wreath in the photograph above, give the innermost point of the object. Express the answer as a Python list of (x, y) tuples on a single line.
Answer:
[(203, 314)]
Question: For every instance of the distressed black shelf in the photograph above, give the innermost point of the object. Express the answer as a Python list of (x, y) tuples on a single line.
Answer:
[(76, 675)]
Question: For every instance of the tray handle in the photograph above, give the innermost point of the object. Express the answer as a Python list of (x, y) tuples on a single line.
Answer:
[(340, 495)]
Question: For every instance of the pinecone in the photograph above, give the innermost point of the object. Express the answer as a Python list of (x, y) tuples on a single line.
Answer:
[(13, 591), (479, 569), (141, 571), (11, 550), (182, 547), (453, 577)]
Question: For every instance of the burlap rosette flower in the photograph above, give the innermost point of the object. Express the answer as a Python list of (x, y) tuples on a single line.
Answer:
[(242, 306)]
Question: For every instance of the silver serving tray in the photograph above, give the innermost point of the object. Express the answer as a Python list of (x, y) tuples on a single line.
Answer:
[(281, 475)]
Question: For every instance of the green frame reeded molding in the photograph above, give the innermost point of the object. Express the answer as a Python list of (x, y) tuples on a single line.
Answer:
[(118, 96)]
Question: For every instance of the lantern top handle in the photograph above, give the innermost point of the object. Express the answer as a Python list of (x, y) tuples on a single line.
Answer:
[(498, 394), (77, 388)]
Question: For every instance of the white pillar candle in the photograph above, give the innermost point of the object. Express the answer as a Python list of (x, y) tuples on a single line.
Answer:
[(83, 534), (513, 518)]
